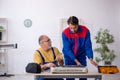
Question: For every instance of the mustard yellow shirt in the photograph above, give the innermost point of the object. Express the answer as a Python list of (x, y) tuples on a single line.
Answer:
[(48, 55)]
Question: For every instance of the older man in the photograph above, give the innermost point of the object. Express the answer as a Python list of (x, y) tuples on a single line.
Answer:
[(46, 55)]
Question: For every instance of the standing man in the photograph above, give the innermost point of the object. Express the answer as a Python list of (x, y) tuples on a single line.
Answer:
[(77, 44), (46, 55)]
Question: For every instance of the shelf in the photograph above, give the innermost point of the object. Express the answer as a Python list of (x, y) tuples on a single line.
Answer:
[(4, 46), (2, 52), (1, 30), (3, 43), (1, 64)]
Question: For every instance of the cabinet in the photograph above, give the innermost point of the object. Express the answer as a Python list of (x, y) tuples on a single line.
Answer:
[(4, 46), (3, 57), (3, 40), (3, 61), (3, 30)]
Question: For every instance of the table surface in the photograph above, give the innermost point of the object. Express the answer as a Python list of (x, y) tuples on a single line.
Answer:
[(48, 74)]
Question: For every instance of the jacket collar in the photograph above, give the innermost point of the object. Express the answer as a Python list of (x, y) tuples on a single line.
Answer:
[(79, 30)]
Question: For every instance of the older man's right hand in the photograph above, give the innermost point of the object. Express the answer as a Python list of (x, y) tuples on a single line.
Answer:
[(50, 65)]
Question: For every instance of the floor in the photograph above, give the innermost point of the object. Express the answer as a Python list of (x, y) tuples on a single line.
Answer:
[(30, 77)]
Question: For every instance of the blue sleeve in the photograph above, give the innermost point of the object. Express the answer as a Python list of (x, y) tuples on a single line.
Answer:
[(88, 46), (67, 48)]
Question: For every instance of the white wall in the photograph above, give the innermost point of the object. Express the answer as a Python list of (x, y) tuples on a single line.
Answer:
[(46, 16)]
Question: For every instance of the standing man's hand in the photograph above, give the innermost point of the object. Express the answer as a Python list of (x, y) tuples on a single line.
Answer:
[(93, 62), (77, 62)]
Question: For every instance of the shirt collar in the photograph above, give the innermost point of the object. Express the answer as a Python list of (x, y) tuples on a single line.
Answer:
[(79, 30)]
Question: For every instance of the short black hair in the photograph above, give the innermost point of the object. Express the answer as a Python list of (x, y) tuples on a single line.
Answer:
[(73, 20)]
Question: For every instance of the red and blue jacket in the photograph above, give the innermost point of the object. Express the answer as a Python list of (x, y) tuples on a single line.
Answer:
[(76, 45)]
